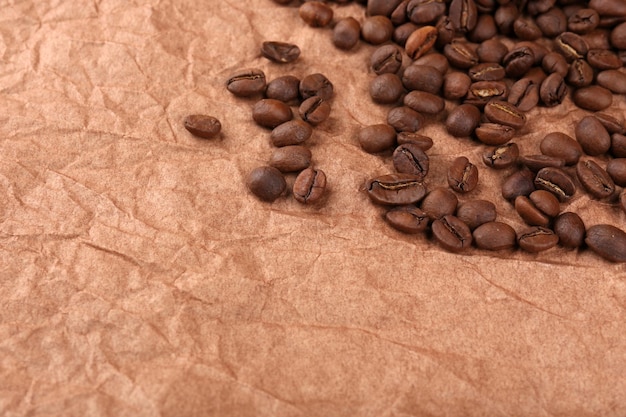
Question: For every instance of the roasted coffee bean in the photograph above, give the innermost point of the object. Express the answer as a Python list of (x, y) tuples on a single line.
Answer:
[(539, 51), (424, 142), (529, 212), (503, 156), (607, 241), (439, 202), (270, 113), (517, 62), (612, 80), (402, 33), (246, 82), (618, 145), (309, 186), (537, 239), (280, 52), (554, 62), (435, 60), (616, 168), (597, 40), (423, 78), (381, 7), (534, 7), (553, 90), (561, 146), (518, 183), (485, 29), (494, 134), (486, 71), (420, 41), (603, 59), (410, 159), (595, 179), (537, 162), (386, 59), (546, 202), (290, 158), (285, 89), (494, 236), (407, 219), (456, 85), (376, 138), (267, 183), (580, 73), (480, 92), (293, 132), (460, 54), (608, 7), (423, 102), (552, 23), (504, 113), (316, 85), (463, 15), (462, 175), (618, 36), (203, 126), (452, 234), (316, 14), (592, 136), (425, 11), (445, 32), (505, 16), (570, 229), (610, 123), (462, 120), (346, 33), (536, 75), (524, 94), (404, 119), (386, 88), (556, 181), (476, 212), (314, 110), (571, 46), (399, 16), (491, 50), (396, 189), (376, 29), (525, 28), (583, 21), (593, 98)]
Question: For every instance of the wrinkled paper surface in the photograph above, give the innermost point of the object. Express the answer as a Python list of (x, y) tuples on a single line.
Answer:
[(138, 277)]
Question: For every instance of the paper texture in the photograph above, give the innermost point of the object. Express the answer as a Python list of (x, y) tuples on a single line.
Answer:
[(138, 277)]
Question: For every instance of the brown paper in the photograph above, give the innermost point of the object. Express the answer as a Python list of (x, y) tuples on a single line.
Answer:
[(138, 277)]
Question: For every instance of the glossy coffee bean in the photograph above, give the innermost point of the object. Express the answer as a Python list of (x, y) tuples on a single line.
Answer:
[(435, 60), (537, 162), (613, 80), (571, 46), (439, 202), (546, 202), (607, 241), (616, 168), (491, 50), (293, 132), (595, 179), (316, 13), (485, 29), (386, 88), (529, 212), (247, 82), (404, 119), (314, 110), (407, 219), (583, 21), (456, 85), (570, 229), (285, 89), (290, 158), (618, 145), (501, 157), (504, 113), (556, 181), (481, 92), (376, 30), (618, 36), (552, 23), (267, 183), (395, 189), (376, 138), (411, 159), (537, 239), (505, 16), (460, 55), (554, 62), (553, 90), (524, 94), (451, 233), (593, 98), (463, 15), (462, 175), (316, 85), (476, 212), (611, 123), (402, 33), (424, 142), (203, 126), (381, 7), (494, 134), (525, 28), (271, 113), (592, 136), (422, 78), (518, 183), (604, 59), (425, 11), (580, 73), (423, 102), (494, 236), (420, 41), (462, 120), (309, 186), (280, 52), (386, 59), (518, 61), (486, 71), (562, 146), (346, 33)]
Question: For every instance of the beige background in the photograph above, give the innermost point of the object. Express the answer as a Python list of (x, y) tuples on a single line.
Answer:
[(139, 278)]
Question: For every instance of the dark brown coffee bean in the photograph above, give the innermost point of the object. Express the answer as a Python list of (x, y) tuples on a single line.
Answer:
[(425, 11), (316, 14), (460, 55), (517, 62), (456, 85), (603, 59), (562, 146), (539, 51), (553, 90), (525, 28), (580, 73), (423, 78), (618, 145), (613, 80), (556, 181), (552, 23), (290, 158), (607, 241), (537, 162), (410, 159), (439, 202), (593, 98), (608, 7), (595, 179), (494, 236), (386, 59), (247, 82), (314, 110), (485, 29), (404, 119), (271, 113), (476, 212), (618, 36), (491, 50), (546, 202), (452, 234), (518, 183), (503, 156), (423, 102), (486, 6), (462, 120), (583, 21), (267, 183), (571, 46), (535, 7), (463, 15), (529, 212), (480, 92), (610, 123), (424, 142), (377, 138), (407, 219), (203, 126), (537, 239), (402, 33), (435, 60), (399, 16), (554, 62), (420, 41), (504, 113), (346, 33), (309, 186), (381, 7), (386, 88), (445, 32), (616, 168), (376, 30), (285, 89), (280, 52), (316, 85), (462, 175), (486, 71), (524, 94), (592, 136), (293, 132), (570, 229), (396, 189), (494, 134), (505, 17), (598, 40)]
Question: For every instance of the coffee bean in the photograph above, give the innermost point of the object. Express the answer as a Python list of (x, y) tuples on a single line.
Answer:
[(518, 183), (396, 189), (202, 125), (424, 102), (402, 32), (529, 212), (616, 168), (346, 33), (270, 113), (386, 88), (618, 36), (618, 145), (246, 82), (594, 98), (525, 28), (293, 132), (267, 183), (562, 146), (610, 123), (376, 138), (537, 239), (598, 39), (556, 181), (462, 175), (462, 120), (505, 17), (420, 41), (423, 78), (534, 7), (407, 219), (439, 202), (376, 30), (613, 80), (524, 94), (280, 52), (485, 29), (456, 85), (517, 62), (463, 15), (486, 71), (316, 14), (546, 202), (571, 46), (316, 85), (491, 50), (609, 7), (435, 60), (480, 92), (580, 73), (570, 229), (290, 158), (539, 51), (386, 59), (309, 186), (595, 179), (553, 90), (604, 59), (445, 32), (314, 110), (607, 241), (399, 16), (424, 142), (494, 134), (552, 23), (285, 89), (494, 236), (381, 7), (583, 21), (425, 11), (411, 159), (504, 113), (452, 234), (537, 162), (476, 212), (503, 156), (404, 119), (554, 62), (592, 136), (460, 55)]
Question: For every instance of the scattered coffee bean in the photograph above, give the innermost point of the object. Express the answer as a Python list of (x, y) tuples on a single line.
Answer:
[(271, 113), (518, 61), (424, 142), (476, 212), (607, 241), (494, 236), (524, 94), (494, 134), (504, 113), (556, 181), (529, 212), (583, 21), (553, 90), (309, 186), (618, 36), (491, 50), (314, 110), (580, 74), (346, 33), (460, 55), (537, 162), (462, 175), (456, 85), (376, 138), (439, 202), (594, 98), (386, 59), (293, 132), (267, 183), (612, 80), (285, 89), (290, 158), (595, 179), (618, 145), (407, 219), (571, 46), (518, 183), (570, 229), (402, 32), (281, 52), (423, 102), (411, 159), (552, 23), (396, 189), (546, 202), (480, 92), (425, 11), (381, 7), (247, 82), (404, 119), (386, 88), (616, 168), (503, 156), (610, 123), (537, 239), (554, 62), (316, 85), (486, 71), (604, 59), (435, 60), (462, 120), (316, 13), (562, 146), (463, 15), (592, 136), (451, 233), (203, 126), (423, 78), (376, 30)]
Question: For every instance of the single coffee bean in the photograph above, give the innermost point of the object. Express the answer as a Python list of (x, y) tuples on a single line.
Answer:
[(487, 71), (537, 239), (524, 94), (456, 85), (504, 113), (435, 60), (580, 73), (553, 90), (610, 123), (381, 7), (425, 11), (462, 120), (529, 212), (445, 32), (376, 138), (316, 14), (616, 168), (451, 233), (460, 54), (503, 156), (399, 16), (518, 183), (439, 202), (505, 17), (463, 15), (396, 189), (316, 85), (561, 146), (603, 59), (517, 62), (407, 219), (535, 7), (608, 7), (404, 119), (552, 23), (618, 145), (386, 59), (618, 36), (462, 175), (309, 186), (203, 126), (420, 41), (346, 33), (613, 80), (494, 134), (537, 162), (595, 179), (285, 89), (293, 132), (271, 113), (247, 82), (424, 102), (570, 229), (280, 52), (594, 98), (525, 28), (376, 30), (402, 33), (607, 241), (494, 236), (423, 78), (410, 159), (491, 50), (583, 21), (386, 88), (592, 136), (476, 212), (267, 183), (555, 62), (556, 181), (290, 158), (480, 92), (546, 202), (485, 29), (571, 46), (314, 110), (424, 142)]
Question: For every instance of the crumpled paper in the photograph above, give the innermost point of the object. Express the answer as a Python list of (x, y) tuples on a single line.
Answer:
[(138, 277)]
